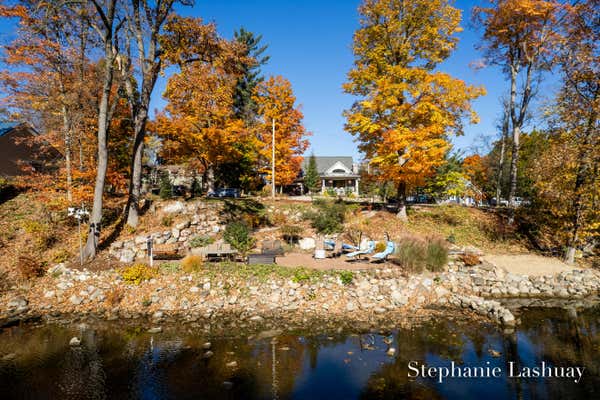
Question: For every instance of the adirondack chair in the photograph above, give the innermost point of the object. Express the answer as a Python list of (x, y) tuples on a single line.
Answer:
[(357, 254), (346, 247)]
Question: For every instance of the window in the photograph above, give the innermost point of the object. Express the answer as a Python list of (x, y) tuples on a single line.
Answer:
[(338, 171)]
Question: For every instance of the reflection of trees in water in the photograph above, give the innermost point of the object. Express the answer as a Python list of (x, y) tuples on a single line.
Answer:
[(445, 339), (120, 363), (82, 374), (566, 340)]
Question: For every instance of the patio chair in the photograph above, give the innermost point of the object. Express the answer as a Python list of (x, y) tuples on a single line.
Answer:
[(357, 254)]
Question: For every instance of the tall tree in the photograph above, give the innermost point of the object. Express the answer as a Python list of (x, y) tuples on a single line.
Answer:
[(199, 124), (407, 108), (142, 62), (504, 129), (577, 145), (276, 101), (103, 18), (518, 36), (244, 105), (48, 63), (311, 178)]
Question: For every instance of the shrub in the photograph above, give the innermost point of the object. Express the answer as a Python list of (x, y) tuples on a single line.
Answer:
[(61, 256), (411, 254), (40, 232), (416, 254), (31, 267), (346, 277), (192, 263), (166, 189), (291, 233), (137, 273), (470, 259), (437, 255), (451, 238), (238, 235), (251, 212), (167, 220), (379, 247), (329, 217), (201, 241)]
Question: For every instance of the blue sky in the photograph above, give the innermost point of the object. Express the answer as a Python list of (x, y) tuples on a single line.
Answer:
[(310, 44)]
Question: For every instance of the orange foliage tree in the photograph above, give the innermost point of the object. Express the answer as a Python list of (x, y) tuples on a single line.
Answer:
[(199, 124), (406, 108), (276, 101), (53, 84), (568, 172)]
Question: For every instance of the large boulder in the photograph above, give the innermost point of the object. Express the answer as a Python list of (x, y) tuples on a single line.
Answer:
[(307, 243), (174, 207)]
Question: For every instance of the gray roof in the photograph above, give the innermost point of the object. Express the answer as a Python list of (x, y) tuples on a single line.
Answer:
[(324, 163), (6, 126)]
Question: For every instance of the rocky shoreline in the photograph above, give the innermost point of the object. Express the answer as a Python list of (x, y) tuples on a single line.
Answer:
[(371, 297)]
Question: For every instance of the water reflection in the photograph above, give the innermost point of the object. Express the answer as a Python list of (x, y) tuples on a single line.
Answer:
[(128, 363)]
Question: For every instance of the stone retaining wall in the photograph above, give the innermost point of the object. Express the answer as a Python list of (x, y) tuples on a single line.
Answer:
[(195, 218)]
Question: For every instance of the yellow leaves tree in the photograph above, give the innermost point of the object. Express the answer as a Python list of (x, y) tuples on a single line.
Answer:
[(406, 108), (276, 101), (519, 36)]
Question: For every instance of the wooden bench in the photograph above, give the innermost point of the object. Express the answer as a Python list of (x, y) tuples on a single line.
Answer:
[(166, 252), (216, 252), (256, 259)]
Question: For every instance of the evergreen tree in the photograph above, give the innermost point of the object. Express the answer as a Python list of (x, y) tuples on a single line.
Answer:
[(195, 190), (244, 105), (166, 189), (311, 179)]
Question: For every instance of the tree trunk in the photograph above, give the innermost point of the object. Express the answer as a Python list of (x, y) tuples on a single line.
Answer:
[(210, 178), (582, 173), (401, 215), (505, 126), (68, 138), (513, 173), (91, 246), (135, 183)]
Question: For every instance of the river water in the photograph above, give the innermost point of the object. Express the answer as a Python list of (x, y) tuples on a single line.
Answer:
[(126, 362)]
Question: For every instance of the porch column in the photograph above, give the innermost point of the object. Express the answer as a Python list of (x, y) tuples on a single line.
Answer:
[(356, 186), (323, 186)]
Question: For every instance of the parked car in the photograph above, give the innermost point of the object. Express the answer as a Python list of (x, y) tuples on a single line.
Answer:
[(230, 192), (224, 192), (503, 202)]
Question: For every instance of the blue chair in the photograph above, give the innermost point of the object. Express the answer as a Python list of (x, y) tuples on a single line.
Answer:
[(329, 244), (370, 248), (349, 247), (390, 247)]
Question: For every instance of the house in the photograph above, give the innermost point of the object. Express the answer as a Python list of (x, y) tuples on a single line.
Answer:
[(20, 152), (338, 175)]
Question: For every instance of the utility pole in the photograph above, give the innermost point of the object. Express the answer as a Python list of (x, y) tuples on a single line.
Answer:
[(273, 163)]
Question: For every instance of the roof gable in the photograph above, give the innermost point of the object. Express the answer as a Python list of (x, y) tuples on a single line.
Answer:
[(326, 163)]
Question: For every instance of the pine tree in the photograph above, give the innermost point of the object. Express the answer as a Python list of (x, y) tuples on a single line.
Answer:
[(166, 189), (244, 105), (311, 179), (195, 189)]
